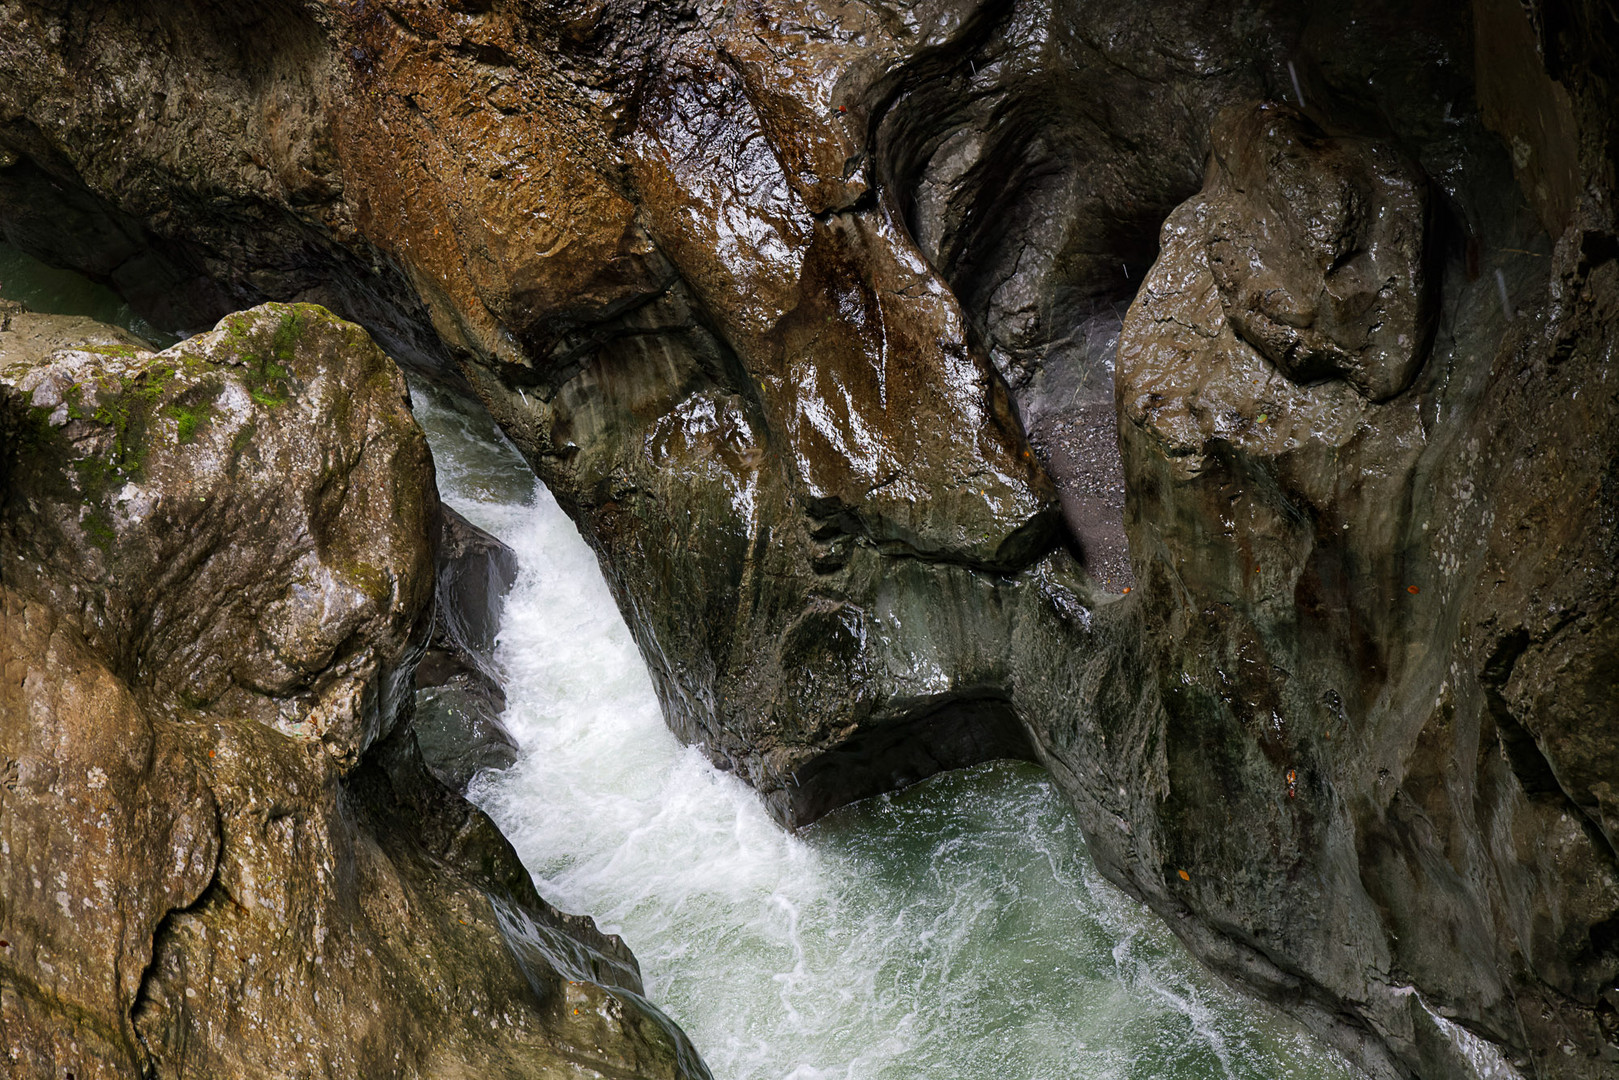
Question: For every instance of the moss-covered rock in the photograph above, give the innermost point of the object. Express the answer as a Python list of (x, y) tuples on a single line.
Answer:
[(223, 854), (239, 523)]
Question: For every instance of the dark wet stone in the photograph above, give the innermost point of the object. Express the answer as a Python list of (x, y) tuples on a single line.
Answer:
[(475, 571), (459, 732), (459, 696)]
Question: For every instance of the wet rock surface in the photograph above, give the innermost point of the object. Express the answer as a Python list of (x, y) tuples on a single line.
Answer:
[(475, 571), (458, 685), (877, 349), (224, 855), (1317, 247)]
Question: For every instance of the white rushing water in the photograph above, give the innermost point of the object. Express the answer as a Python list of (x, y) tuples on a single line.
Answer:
[(955, 930)]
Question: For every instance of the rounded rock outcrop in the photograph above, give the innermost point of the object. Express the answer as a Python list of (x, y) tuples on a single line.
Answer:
[(224, 853)]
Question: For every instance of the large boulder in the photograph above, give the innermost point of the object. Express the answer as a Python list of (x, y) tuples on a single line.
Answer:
[(224, 854), (181, 510)]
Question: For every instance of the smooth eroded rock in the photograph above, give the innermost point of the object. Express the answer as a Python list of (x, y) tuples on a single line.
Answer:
[(1318, 247)]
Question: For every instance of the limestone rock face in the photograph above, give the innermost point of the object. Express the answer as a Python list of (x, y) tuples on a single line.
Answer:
[(1332, 593), (223, 854), (878, 348), (215, 551), (1317, 246)]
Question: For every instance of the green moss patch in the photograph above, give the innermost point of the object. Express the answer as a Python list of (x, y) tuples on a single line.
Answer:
[(128, 409), (287, 332), (193, 408), (265, 361)]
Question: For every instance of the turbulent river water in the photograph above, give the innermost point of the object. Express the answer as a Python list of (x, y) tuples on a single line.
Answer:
[(954, 931)]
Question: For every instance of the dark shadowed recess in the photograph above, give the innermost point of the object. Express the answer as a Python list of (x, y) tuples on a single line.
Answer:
[(176, 252), (1035, 162), (1034, 170), (185, 285), (967, 731)]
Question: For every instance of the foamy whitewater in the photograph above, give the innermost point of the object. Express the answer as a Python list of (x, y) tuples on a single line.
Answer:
[(954, 931)]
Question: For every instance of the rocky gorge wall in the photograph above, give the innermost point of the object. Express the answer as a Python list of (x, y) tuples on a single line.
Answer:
[(1209, 403)]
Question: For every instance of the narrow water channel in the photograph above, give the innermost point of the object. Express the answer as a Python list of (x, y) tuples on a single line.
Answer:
[(954, 931)]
